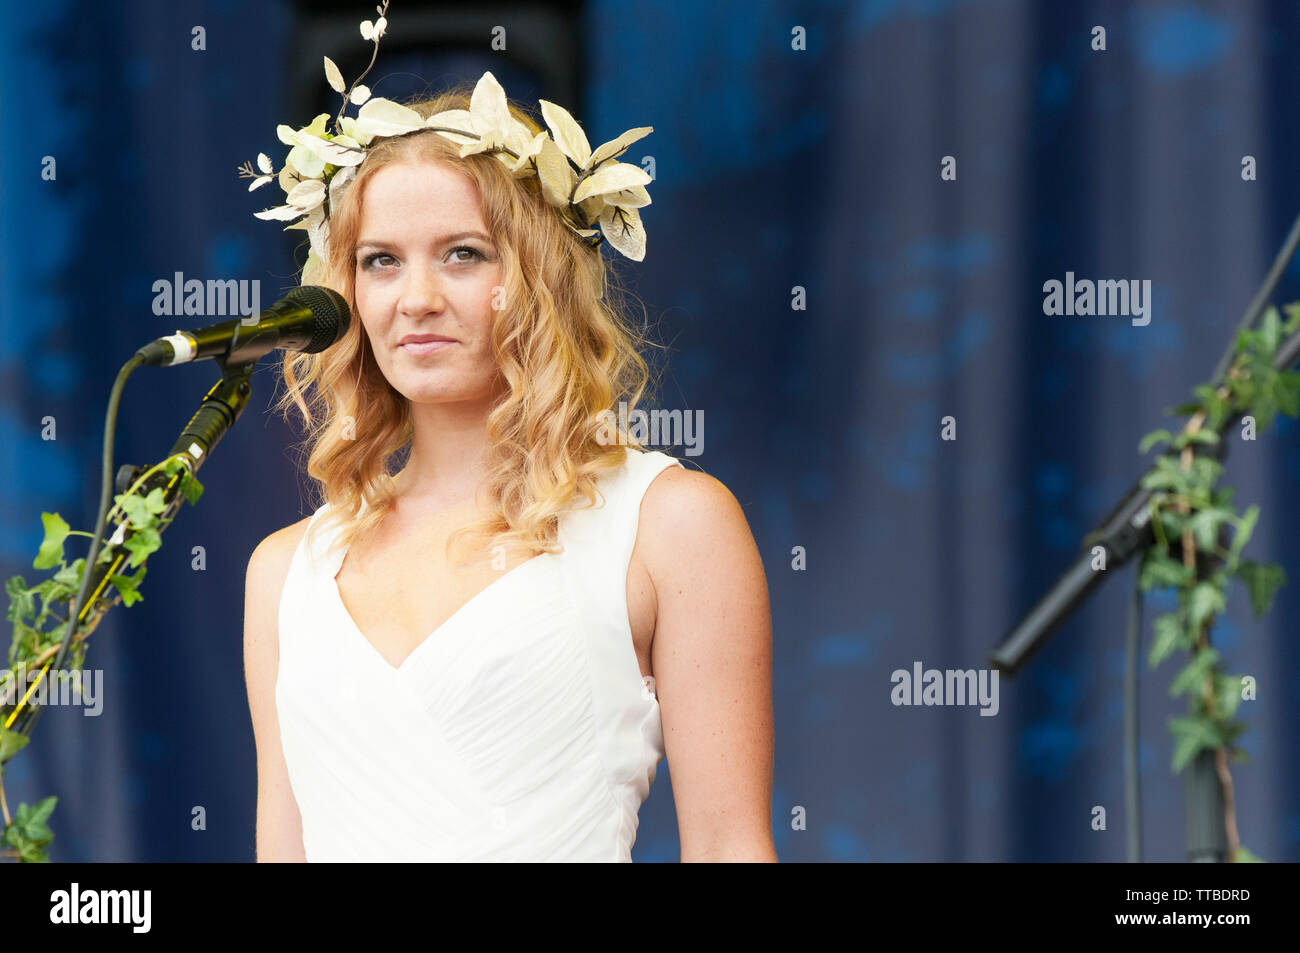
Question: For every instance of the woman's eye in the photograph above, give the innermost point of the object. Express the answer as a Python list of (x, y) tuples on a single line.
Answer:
[(377, 258)]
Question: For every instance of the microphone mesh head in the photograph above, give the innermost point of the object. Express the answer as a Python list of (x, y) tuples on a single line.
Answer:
[(329, 311)]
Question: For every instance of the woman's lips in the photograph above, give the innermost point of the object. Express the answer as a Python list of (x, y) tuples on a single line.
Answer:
[(421, 348)]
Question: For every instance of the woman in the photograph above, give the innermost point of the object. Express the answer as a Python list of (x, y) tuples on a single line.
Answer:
[(484, 347)]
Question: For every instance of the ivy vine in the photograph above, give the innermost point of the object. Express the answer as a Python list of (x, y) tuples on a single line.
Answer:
[(1199, 540), (39, 627)]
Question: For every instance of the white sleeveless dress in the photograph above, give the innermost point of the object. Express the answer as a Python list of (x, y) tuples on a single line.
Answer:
[(520, 730)]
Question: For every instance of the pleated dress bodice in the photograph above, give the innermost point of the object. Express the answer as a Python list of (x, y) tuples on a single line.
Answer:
[(520, 729)]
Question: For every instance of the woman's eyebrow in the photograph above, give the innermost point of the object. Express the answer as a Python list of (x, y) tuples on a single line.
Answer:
[(455, 237)]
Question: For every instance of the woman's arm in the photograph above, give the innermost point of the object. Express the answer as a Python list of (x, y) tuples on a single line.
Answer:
[(279, 825), (712, 660)]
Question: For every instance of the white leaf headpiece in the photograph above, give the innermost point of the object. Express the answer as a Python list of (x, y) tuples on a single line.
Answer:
[(593, 194)]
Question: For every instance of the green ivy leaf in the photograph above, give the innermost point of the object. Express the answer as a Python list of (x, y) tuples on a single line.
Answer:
[(11, 742), (191, 488), (51, 591), (1192, 736), (1264, 407), (1243, 392), (136, 509), (1160, 570), (1285, 392), (70, 576), (51, 585), (1205, 525), (1172, 523), (1205, 472), (1205, 599), (25, 641), (1245, 527), (1153, 438), (1167, 475), (1263, 581), (1194, 673), (1168, 636), (127, 586), (1270, 333), (31, 854), (1200, 436), (51, 552), (1216, 407), (42, 811), (141, 543), (21, 602), (1227, 693), (28, 832)]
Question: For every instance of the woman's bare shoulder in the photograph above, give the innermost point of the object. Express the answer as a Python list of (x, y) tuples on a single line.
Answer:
[(677, 491), (688, 511), (276, 550)]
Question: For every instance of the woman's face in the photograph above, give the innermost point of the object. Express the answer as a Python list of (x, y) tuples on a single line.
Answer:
[(425, 266)]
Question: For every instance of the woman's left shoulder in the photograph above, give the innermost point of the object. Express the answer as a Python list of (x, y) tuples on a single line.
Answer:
[(688, 509), (695, 545)]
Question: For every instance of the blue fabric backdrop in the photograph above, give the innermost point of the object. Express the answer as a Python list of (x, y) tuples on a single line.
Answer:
[(776, 168)]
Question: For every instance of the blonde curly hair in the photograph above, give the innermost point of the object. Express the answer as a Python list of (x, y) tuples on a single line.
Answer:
[(563, 344)]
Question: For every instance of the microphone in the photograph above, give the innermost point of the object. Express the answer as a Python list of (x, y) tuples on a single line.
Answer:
[(1124, 532), (308, 319)]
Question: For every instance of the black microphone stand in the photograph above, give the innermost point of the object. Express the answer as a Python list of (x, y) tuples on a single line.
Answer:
[(221, 407), (1127, 530), (310, 318)]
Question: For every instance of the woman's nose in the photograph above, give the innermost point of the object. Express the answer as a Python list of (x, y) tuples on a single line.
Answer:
[(422, 290)]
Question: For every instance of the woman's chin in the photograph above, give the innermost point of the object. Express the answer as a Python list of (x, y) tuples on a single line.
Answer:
[(425, 392)]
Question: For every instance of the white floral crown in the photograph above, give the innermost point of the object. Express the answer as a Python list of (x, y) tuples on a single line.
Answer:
[(586, 188)]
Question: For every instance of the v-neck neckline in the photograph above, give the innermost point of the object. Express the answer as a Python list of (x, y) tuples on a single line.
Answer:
[(337, 594)]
